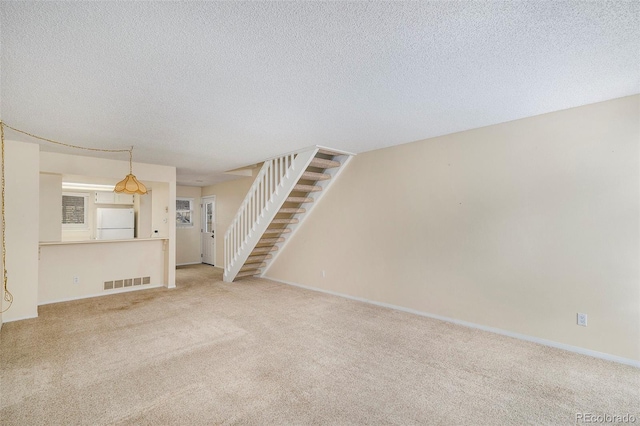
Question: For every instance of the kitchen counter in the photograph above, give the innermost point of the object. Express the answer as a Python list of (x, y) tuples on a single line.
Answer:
[(59, 243), (70, 270)]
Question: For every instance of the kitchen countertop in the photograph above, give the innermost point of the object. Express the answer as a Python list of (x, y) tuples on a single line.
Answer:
[(133, 240)]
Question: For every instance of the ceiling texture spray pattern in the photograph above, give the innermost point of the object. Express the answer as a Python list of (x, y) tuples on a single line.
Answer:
[(213, 86)]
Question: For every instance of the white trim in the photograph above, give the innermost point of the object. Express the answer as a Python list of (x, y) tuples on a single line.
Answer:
[(131, 240), (337, 151), (105, 293), (203, 224), (545, 342), (189, 263), (308, 148), (19, 319)]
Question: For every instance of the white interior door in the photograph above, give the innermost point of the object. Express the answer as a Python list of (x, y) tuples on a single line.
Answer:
[(208, 230)]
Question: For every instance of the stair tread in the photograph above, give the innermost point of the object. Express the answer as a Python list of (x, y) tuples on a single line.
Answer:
[(257, 258), (299, 200), (271, 240), (328, 151), (281, 221), (252, 266), (277, 231), (263, 250), (315, 176), (324, 164), (249, 273), (291, 210), (307, 188)]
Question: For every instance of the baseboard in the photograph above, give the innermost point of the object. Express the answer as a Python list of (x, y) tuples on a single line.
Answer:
[(188, 263), (19, 319), (106, 293), (545, 342)]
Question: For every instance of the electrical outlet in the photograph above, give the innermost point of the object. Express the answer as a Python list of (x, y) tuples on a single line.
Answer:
[(323, 274), (76, 280), (582, 319)]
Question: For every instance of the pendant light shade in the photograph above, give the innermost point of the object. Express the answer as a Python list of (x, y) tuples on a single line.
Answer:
[(130, 185)]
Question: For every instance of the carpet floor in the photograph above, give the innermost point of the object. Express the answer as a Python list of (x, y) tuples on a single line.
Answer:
[(259, 353)]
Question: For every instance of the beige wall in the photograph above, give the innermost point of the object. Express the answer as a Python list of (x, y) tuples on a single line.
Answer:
[(143, 206), (22, 211), (188, 238), (516, 226), (229, 195), (93, 263), (50, 207)]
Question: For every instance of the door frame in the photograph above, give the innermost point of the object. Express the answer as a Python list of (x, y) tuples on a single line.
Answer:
[(203, 217)]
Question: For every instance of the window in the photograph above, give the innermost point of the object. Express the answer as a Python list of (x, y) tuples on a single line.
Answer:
[(184, 211), (74, 210)]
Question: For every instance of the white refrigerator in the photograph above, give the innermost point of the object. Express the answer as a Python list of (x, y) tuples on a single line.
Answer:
[(114, 224)]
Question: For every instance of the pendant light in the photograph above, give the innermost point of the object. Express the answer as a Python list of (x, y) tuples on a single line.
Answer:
[(130, 185)]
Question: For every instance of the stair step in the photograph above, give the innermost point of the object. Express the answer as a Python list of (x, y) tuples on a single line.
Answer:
[(258, 258), (252, 266), (327, 151), (307, 188), (291, 210), (284, 221), (277, 231), (263, 250), (315, 176), (321, 163), (250, 273), (271, 240), (299, 200)]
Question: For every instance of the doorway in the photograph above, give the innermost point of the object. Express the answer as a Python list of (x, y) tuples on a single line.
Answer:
[(208, 230)]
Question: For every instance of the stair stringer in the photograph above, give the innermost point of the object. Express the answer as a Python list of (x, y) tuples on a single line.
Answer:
[(344, 159), (234, 261)]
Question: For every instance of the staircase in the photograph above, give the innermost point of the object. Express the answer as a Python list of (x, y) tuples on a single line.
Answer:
[(283, 193)]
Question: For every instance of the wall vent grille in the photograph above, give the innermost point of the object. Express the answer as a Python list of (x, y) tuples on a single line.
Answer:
[(128, 282)]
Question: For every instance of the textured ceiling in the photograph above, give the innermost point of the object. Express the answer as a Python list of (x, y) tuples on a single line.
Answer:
[(213, 86)]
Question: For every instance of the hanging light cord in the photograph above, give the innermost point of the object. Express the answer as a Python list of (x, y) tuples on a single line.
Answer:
[(7, 296), (130, 150)]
